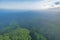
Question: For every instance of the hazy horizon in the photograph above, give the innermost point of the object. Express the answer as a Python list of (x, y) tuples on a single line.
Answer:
[(29, 4)]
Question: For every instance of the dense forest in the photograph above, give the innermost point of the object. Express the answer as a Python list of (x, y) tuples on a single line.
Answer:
[(29, 25), (16, 32)]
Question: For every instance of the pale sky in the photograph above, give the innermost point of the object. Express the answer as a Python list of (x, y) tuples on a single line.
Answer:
[(28, 4)]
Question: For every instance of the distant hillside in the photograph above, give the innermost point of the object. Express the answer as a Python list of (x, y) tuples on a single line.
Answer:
[(44, 22)]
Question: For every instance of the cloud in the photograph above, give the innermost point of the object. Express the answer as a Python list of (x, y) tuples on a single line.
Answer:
[(24, 5), (29, 5), (20, 0), (57, 3)]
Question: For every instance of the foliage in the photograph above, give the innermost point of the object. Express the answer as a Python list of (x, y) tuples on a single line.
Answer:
[(15, 32)]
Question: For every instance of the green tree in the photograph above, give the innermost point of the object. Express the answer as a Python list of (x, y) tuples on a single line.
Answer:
[(1, 37), (37, 36), (6, 37)]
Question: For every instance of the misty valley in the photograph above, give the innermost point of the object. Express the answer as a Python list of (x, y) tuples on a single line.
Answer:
[(29, 25)]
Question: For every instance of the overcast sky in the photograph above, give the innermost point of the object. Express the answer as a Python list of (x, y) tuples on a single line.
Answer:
[(29, 4)]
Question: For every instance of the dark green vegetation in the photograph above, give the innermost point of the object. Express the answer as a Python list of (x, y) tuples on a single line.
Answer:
[(15, 32), (39, 25)]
